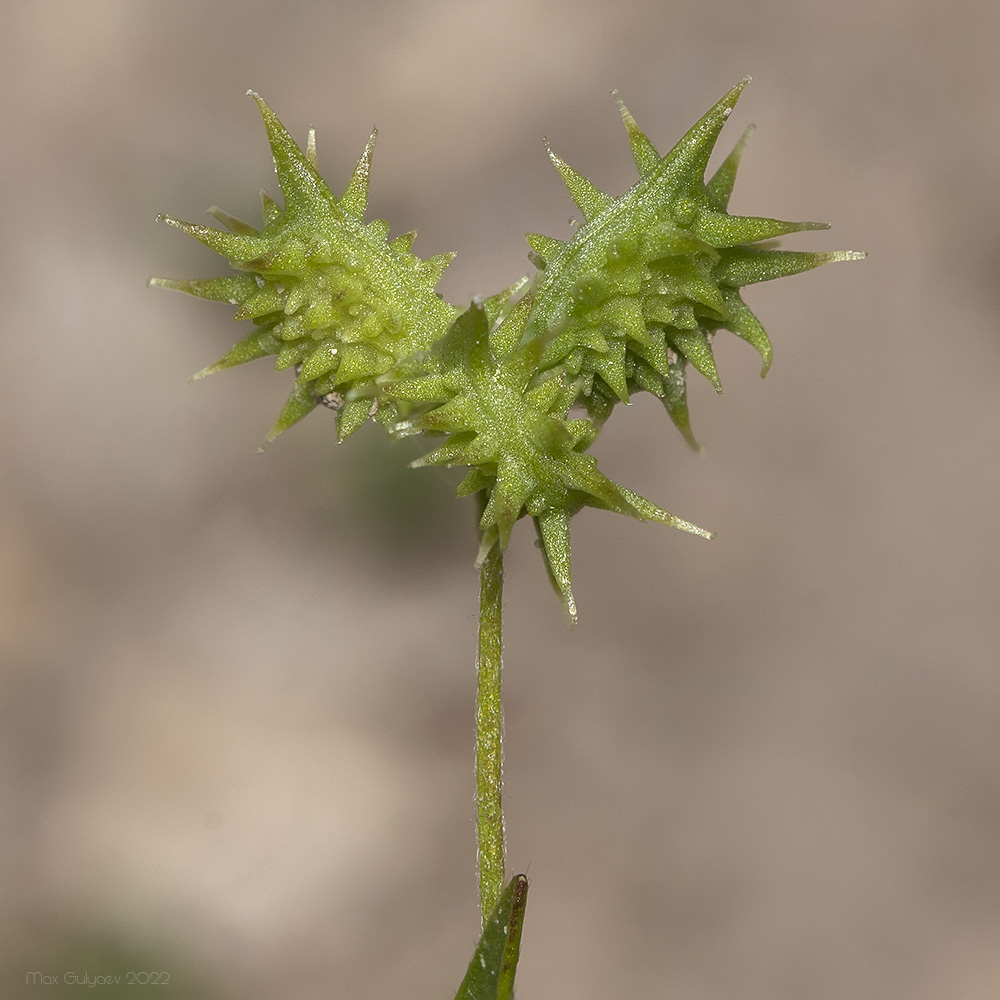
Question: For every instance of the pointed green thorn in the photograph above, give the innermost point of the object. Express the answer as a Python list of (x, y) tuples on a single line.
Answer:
[(236, 246), (549, 396), (611, 367), (694, 345), (233, 288), (649, 511), (750, 265), (432, 268), (355, 197), (689, 158), (472, 482), (545, 246), (270, 209), (487, 539), (507, 498), (448, 418), (720, 187), (304, 191), (746, 326), (586, 196), (682, 421), (231, 223), (647, 159), (580, 473), (452, 452), (292, 352), (402, 243), (553, 534), (301, 402), (260, 301), (378, 229), (325, 358), (506, 337), (258, 344), (675, 400), (723, 230), (354, 413), (498, 304), (491, 972), (428, 389), (362, 360)]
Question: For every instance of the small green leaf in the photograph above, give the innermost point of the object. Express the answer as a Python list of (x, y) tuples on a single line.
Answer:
[(494, 964)]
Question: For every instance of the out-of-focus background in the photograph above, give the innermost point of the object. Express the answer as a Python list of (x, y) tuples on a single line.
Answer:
[(237, 689)]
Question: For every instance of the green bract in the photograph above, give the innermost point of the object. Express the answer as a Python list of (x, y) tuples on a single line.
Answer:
[(518, 387)]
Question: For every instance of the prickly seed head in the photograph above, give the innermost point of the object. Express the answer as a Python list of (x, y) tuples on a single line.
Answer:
[(328, 294), (627, 304), (653, 273), (511, 427)]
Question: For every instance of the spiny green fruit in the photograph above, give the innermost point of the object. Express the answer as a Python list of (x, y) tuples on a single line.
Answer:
[(638, 292), (326, 292), (511, 427), (624, 305)]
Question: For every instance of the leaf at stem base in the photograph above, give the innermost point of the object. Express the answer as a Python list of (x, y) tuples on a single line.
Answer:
[(491, 971)]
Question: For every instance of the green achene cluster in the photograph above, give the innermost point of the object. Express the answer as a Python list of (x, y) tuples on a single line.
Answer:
[(327, 293), (519, 384)]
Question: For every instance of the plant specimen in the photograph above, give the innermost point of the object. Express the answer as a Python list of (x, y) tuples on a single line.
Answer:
[(515, 387)]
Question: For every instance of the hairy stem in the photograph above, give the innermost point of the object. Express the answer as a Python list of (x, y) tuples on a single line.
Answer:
[(489, 733)]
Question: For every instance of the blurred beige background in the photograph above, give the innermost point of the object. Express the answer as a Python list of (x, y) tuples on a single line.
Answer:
[(237, 689)]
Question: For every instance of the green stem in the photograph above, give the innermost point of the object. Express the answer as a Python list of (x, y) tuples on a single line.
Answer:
[(489, 733)]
